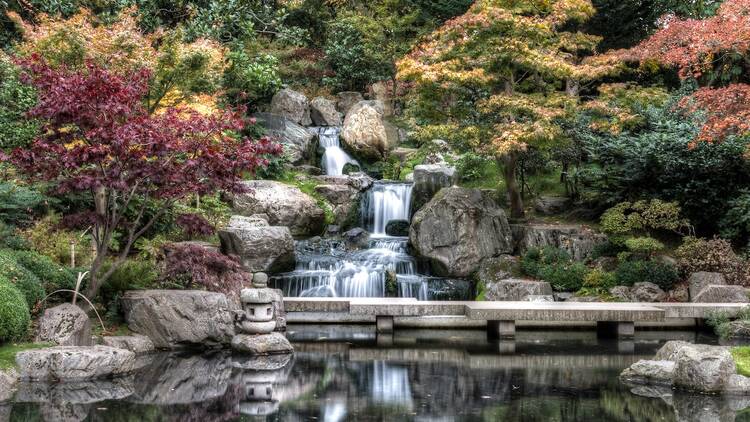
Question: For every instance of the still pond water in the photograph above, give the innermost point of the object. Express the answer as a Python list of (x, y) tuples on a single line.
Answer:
[(347, 373)]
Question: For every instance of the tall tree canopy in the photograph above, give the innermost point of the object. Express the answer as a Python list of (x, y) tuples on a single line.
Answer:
[(510, 68)]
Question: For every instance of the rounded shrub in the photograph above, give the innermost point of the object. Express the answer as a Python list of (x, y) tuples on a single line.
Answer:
[(14, 313), (564, 278), (52, 275), (662, 274), (23, 279)]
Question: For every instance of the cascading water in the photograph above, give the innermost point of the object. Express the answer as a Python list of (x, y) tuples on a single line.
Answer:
[(334, 157), (326, 268)]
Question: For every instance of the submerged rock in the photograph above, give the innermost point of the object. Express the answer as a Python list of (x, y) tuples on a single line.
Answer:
[(179, 318), (285, 205), (74, 363), (264, 344), (76, 392), (8, 381), (293, 105), (658, 372), (458, 229), (65, 325), (259, 246)]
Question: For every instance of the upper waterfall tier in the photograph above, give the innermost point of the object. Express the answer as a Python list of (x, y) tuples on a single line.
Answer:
[(334, 158)]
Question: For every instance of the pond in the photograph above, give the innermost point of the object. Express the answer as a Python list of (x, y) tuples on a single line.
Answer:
[(342, 373)]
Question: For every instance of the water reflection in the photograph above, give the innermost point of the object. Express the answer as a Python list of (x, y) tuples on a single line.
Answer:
[(342, 374)]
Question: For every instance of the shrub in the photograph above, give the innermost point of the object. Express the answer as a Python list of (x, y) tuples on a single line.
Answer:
[(353, 55), (714, 255), (26, 282), (629, 218), (48, 238), (530, 262), (248, 79), (14, 313), (194, 225), (662, 274), (564, 278), (52, 275), (735, 224), (599, 280), (16, 98), (191, 266), (606, 249), (645, 247), (19, 203), (131, 275)]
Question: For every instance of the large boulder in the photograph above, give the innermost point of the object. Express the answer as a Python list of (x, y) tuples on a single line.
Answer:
[(74, 363), (670, 349), (285, 205), (516, 290), (721, 294), (343, 193), (458, 229), (578, 241), (323, 112), (551, 205), (346, 100), (647, 292), (364, 131), (65, 325), (702, 279), (259, 246), (703, 368), (299, 143), (293, 105), (499, 268), (380, 92), (428, 180), (173, 319)]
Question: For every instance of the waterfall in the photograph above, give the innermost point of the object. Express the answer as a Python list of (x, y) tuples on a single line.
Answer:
[(327, 268), (385, 202), (334, 157)]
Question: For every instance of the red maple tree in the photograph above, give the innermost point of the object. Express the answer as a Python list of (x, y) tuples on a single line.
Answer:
[(714, 52), (99, 138)]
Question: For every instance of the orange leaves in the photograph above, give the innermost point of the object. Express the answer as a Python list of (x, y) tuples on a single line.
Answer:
[(727, 111), (695, 46)]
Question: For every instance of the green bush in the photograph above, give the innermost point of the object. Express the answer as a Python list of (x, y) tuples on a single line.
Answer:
[(250, 79), (53, 275), (599, 280), (606, 249), (26, 282), (18, 203), (564, 278), (643, 246), (662, 274), (16, 98), (14, 313), (353, 53), (131, 275)]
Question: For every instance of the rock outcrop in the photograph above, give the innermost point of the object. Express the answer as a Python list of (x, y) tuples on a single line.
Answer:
[(323, 112), (458, 229), (74, 363), (293, 105), (259, 246), (285, 205), (364, 131), (647, 292), (174, 319), (428, 180), (344, 194), (346, 100), (721, 294), (551, 205), (299, 143), (578, 241), (65, 325), (137, 344), (516, 290), (698, 368)]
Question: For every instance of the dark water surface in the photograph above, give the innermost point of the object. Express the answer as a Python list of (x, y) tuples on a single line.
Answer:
[(347, 373)]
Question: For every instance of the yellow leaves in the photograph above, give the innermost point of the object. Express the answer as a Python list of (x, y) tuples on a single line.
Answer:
[(617, 108), (517, 137)]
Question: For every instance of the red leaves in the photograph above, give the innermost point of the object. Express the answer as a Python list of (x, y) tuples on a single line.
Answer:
[(727, 111), (98, 133), (695, 46)]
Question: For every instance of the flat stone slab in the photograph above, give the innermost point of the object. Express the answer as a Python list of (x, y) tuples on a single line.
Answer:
[(562, 311), (410, 307), (74, 363)]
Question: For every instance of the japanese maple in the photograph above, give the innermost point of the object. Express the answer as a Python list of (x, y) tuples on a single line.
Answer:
[(100, 138)]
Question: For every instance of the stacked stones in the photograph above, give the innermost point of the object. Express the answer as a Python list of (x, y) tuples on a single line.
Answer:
[(256, 322)]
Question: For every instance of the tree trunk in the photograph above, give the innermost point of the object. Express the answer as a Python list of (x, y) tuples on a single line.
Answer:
[(510, 162), (572, 87)]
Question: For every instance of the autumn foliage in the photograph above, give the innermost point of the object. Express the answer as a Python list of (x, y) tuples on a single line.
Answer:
[(100, 138)]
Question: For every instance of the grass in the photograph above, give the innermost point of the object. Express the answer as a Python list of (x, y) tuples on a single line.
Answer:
[(741, 357), (308, 186), (8, 352)]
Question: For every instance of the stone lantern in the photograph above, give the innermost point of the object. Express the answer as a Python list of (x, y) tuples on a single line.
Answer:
[(257, 315)]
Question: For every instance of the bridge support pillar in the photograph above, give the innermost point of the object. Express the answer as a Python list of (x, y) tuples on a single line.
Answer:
[(607, 329), (384, 324), (501, 329)]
